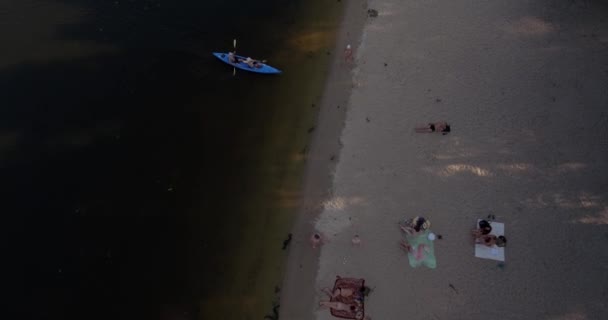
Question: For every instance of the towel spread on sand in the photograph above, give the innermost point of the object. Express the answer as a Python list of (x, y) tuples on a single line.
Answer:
[(354, 285), (423, 250), (494, 252)]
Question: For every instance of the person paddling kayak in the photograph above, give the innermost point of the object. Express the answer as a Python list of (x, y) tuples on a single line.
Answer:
[(243, 63), (232, 57)]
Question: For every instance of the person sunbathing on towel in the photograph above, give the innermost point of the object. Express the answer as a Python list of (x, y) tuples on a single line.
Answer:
[(418, 253), (338, 305), (359, 295), (342, 292)]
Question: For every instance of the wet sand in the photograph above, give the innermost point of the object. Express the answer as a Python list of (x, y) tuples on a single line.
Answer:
[(524, 87)]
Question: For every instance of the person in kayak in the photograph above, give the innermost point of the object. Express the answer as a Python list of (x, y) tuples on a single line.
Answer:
[(250, 62), (337, 305), (232, 57)]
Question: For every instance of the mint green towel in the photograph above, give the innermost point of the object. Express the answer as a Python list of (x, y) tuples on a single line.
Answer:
[(423, 250)]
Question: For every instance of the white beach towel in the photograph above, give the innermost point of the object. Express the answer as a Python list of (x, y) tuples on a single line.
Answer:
[(493, 253)]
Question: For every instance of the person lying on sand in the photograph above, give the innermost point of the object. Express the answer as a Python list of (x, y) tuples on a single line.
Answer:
[(348, 53), (440, 126)]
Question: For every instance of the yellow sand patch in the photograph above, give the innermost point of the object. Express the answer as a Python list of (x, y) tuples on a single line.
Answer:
[(454, 169), (341, 203), (531, 26), (311, 41), (600, 218)]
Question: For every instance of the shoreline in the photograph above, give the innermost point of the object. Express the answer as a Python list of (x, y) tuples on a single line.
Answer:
[(274, 187), (298, 289)]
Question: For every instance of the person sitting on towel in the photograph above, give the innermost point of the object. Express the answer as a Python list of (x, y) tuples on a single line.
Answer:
[(490, 240), (484, 229), (415, 225)]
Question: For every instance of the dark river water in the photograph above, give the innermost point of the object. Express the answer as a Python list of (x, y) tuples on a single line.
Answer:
[(136, 168)]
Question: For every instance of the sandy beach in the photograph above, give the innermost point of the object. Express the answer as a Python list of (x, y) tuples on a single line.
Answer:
[(524, 86)]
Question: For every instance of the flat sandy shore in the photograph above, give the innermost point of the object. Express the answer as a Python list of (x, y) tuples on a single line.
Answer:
[(524, 85)]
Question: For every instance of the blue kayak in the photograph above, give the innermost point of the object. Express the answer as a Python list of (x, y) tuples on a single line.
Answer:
[(262, 68)]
